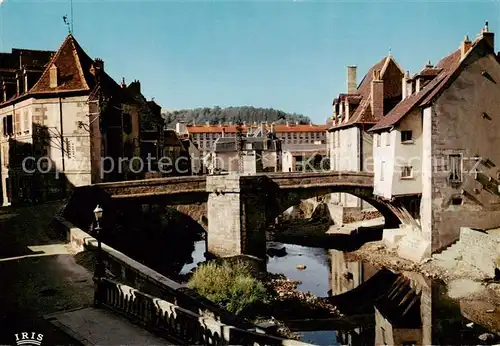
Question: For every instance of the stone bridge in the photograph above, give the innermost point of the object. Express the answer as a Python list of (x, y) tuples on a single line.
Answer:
[(240, 207)]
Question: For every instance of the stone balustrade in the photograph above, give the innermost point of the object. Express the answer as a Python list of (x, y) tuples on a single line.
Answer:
[(174, 323)]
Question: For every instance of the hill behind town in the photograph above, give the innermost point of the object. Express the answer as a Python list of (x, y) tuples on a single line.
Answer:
[(218, 115)]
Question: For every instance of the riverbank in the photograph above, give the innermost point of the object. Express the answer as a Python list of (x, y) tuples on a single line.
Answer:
[(464, 282)]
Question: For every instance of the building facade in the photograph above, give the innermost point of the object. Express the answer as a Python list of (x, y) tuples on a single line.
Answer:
[(249, 155), (437, 150), (289, 133), (354, 113), (63, 127)]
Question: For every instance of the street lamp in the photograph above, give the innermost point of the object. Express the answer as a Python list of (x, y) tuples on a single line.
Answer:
[(100, 271)]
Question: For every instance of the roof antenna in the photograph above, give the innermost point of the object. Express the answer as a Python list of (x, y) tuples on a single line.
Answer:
[(1, 25), (486, 26), (390, 51), (65, 20), (70, 23)]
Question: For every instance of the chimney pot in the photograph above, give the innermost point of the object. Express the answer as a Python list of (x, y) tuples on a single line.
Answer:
[(352, 85), (465, 47)]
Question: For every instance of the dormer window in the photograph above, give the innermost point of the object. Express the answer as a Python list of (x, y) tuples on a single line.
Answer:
[(53, 76)]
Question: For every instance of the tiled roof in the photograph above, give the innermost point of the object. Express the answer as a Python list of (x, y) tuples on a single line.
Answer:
[(448, 65), (278, 128), (75, 73), (363, 113), (73, 68)]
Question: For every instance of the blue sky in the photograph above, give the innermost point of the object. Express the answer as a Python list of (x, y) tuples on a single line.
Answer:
[(289, 55)]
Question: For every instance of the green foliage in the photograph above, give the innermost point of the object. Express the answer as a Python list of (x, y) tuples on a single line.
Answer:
[(218, 115), (230, 285)]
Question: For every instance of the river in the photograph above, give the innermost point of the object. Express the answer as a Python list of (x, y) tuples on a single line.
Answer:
[(413, 310)]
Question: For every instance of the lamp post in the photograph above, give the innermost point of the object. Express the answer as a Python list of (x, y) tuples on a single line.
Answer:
[(100, 271)]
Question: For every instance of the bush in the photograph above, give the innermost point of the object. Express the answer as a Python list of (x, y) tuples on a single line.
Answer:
[(230, 285)]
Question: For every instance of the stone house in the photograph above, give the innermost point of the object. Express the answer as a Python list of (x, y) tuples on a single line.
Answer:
[(258, 154), (69, 125), (289, 133), (304, 157), (349, 143), (437, 150)]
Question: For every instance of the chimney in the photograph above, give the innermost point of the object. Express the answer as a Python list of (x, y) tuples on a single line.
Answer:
[(99, 64), (207, 123), (272, 127), (296, 123), (53, 76), (409, 87), (377, 99), (465, 46), (288, 123), (123, 84), (262, 129), (352, 86), (346, 110), (18, 82), (488, 36), (4, 91), (223, 132), (404, 85)]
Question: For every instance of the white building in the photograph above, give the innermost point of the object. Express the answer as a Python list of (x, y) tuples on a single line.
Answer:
[(437, 151), (349, 143)]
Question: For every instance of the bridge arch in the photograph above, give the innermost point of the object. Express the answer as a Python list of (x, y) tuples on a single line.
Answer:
[(285, 198)]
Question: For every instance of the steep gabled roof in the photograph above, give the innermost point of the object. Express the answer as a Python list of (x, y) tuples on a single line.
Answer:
[(447, 68), (363, 113), (73, 68)]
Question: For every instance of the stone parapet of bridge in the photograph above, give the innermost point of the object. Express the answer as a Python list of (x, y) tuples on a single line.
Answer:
[(238, 207), (198, 184)]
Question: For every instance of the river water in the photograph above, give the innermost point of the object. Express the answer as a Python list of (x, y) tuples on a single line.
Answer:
[(414, 310)]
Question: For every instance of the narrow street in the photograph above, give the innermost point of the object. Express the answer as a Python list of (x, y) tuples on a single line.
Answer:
[(39, 275)]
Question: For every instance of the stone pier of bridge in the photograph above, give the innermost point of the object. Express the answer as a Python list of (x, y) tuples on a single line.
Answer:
[(236, 209)]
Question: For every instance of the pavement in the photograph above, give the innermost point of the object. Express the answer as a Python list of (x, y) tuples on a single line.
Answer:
[(42, 285)]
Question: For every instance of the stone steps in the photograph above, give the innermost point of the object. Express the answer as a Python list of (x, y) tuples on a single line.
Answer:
[(452, 253)]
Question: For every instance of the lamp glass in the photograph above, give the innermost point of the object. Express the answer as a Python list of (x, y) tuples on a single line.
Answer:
[(98, 212)]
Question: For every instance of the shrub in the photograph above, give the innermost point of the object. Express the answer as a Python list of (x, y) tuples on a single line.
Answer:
[(230, 285)]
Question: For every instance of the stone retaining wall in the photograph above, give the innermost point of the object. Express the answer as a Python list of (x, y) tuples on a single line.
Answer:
[(480, 249), (141, 277)]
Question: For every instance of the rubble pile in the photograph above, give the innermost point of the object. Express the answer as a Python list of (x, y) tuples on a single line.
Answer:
[(286, 290)]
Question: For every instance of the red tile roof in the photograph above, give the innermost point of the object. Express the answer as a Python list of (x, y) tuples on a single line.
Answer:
[(363, 113), (75, 73), (73, 67), (278, 128), (448, 65)]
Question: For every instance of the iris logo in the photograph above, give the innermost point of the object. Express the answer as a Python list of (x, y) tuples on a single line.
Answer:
[(29, 339)]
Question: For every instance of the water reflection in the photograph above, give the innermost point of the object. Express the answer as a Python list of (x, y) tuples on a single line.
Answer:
[(197, 257), (380, 307), (314, 278)]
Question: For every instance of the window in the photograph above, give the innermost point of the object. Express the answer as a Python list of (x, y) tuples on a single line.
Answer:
[(407, 172), (455, 167), (387, 138), (382, 169), (26, 126), (127, 123), (17, 126), (456, 200), (70, 148), (7, 125), (406, 136)]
